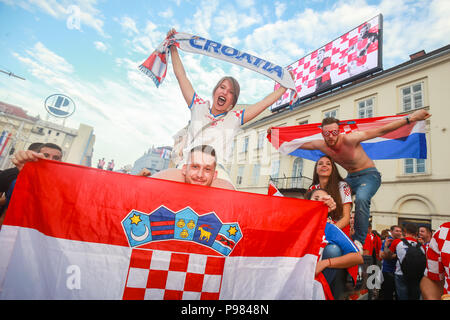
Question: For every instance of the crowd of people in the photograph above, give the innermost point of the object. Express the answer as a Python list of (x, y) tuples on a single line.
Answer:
[(350, 246)]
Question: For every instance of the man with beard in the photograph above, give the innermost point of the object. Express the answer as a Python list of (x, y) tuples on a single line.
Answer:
[(363, 177)]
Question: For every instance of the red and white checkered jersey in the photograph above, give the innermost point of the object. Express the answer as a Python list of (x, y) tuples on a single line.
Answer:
[(438, 257), (344, 190), (217, 131)]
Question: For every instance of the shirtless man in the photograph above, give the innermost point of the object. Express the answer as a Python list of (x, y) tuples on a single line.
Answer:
[(200, 169), (363, 177)]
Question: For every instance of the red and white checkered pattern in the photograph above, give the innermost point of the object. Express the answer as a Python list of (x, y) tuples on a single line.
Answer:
[(349, 49), (165, 275), (438, 257)]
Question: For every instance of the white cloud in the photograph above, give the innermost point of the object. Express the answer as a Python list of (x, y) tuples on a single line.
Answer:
[(279, 9), (129, 25), (228, 21), (420, 25), (86, 13), (166, 14), (127, 114), (246, 3), (100, 46), (201, 21)]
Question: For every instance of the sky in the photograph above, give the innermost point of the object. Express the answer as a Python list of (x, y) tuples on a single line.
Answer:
[(90, 50)]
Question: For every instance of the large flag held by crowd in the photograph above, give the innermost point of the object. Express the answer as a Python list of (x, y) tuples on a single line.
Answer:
[(73, 232), (408, 141)]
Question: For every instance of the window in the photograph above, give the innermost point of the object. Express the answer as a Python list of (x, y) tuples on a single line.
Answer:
[(256, 173), (365, 108), (240, 175), (245, 145), (331, 113), (297, 168), (413, 166), (275, 168), (261, 137), (412, 96), (297, 172)]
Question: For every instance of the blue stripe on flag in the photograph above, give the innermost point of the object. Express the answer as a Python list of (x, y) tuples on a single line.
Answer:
[(413, 146)]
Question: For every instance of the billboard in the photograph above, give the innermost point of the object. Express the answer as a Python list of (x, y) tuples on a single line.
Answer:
[(351, 56)]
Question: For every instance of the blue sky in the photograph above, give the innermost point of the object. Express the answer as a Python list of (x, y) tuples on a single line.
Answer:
[(90, 50)]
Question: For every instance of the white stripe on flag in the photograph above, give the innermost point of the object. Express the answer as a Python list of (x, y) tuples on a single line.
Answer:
[(289, 146), (254, 278), (43, 267)]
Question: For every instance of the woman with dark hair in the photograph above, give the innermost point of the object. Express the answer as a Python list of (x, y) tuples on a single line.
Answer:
[(326, 176), (338, 254)]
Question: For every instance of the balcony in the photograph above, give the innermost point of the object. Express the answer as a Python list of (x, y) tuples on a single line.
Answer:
[(292, 184)]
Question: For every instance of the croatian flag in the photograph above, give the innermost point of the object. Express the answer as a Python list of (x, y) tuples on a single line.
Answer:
[(4, 140), (273, 190), (73, 232), (408, 141)]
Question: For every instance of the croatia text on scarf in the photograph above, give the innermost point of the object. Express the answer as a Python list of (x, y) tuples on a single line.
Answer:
[(156, 64)]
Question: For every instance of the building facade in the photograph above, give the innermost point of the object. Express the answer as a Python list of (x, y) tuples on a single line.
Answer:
[(77, 144), (155, 160), (411, 189)]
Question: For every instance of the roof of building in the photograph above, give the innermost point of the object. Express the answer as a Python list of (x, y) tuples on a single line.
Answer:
[(15, 111)]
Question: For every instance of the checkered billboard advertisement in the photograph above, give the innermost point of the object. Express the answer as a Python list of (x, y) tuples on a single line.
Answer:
[(351, 56)]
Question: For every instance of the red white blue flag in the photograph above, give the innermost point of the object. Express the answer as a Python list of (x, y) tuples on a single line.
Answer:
[(408, 141), (73, 232), (4, 138)]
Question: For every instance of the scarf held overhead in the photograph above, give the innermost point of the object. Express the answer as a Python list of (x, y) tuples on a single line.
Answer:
[(156, 64)]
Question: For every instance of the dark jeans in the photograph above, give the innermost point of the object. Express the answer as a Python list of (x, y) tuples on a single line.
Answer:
[(336, 278), (406, 291), (388, 287), (364, 184)]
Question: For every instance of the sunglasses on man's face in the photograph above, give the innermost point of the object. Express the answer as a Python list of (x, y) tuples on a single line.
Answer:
[(327, 133)]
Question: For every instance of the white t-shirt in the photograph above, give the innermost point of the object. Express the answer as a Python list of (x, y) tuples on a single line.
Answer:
[(399, 248), (219, 134)]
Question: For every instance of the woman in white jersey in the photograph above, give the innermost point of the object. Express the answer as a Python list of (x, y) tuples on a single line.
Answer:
[(215, 123)]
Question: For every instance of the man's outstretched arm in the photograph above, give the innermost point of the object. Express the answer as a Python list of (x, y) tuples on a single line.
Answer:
[(418, 115)]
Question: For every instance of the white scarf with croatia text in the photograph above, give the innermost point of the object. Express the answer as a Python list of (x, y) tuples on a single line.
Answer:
[(156, 64)]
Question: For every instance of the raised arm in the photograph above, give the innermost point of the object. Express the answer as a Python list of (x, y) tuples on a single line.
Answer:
[(255, 109), (185, 85), (359, 136)]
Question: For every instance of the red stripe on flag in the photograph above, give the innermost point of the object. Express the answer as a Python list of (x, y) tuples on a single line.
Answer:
[(162, 223), (71, 202)]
